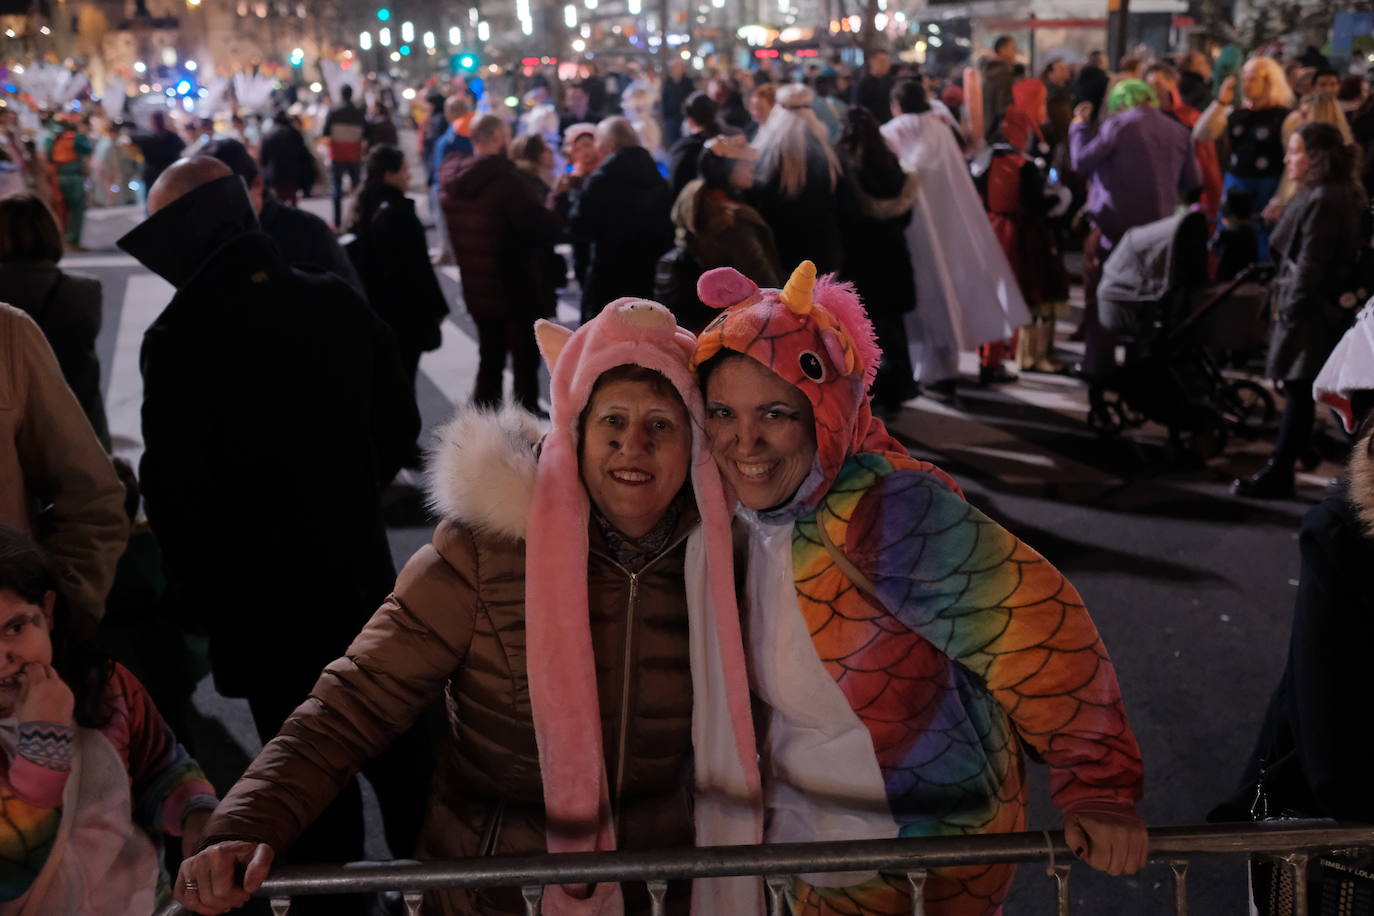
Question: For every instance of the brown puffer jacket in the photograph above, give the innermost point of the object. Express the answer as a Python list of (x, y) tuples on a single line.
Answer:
[(454, 627)]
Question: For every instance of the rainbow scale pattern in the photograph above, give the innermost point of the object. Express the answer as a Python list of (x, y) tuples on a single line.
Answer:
[(973, 644), (26, 839)]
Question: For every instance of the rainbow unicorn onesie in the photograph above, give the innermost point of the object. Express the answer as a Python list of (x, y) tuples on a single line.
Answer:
[(906, 646)]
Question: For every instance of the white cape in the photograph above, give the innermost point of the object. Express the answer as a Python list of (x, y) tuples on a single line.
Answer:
[(966, 294), (1350, 368)]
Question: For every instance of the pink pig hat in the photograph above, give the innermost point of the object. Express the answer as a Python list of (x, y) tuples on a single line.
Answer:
[(562, 672)]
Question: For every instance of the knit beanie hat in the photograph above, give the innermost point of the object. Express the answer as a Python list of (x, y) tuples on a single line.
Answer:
[(562, 672)]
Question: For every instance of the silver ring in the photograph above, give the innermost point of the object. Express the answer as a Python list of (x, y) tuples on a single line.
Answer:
[(191, 885)]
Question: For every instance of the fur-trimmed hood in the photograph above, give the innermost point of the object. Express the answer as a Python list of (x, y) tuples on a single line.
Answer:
[(1360, 474), (481, 469)]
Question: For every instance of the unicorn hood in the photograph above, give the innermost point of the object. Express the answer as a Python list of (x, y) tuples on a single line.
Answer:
[(815, 335)]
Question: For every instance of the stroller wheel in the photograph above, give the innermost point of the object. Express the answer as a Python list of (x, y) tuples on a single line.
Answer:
[(1248, 407), (1205, 437), (1107, 412), (1107, 418)]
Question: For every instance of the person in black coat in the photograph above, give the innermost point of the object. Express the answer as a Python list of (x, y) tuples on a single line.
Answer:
[(1092, 83), (1315, 745), (873, 90), (304, 239), (677, 88), (699, 113), (877, 260), (798, 191), (274, 412), (533, 158), (624, 213), (1315, 245), (160, 148), (288, 166), (66, 307), (393, 259)]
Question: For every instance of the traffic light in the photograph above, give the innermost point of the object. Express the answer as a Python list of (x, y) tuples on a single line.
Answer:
[(467, 62), (383, 14)]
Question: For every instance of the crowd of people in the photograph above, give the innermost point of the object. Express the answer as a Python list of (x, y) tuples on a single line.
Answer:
[(708, 531)]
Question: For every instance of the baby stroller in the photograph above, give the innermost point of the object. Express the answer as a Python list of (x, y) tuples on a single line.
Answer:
[(1155, 295)]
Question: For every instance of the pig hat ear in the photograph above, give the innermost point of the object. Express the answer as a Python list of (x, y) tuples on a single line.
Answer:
[(724, 286), (551, 339)]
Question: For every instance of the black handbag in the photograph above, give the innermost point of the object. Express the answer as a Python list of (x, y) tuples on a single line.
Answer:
[(1336, 883)]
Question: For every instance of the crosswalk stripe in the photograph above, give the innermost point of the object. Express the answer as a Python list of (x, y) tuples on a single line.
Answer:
[(453, 366), (98, 260), (145, 295), (953, 432)]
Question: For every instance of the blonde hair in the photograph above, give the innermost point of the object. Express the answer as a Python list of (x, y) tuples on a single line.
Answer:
[(1326, 109), (785, 139), (1280, 94)]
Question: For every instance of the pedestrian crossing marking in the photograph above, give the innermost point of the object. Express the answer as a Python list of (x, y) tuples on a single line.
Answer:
[(145, 296)]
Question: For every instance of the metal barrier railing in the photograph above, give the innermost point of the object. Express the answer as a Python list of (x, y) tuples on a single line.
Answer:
[(1289, 842)]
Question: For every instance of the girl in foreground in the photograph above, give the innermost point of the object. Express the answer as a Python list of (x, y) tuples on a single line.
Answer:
[(91, 773)]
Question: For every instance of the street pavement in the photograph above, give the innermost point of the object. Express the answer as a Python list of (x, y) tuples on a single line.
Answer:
[(1191, 588)]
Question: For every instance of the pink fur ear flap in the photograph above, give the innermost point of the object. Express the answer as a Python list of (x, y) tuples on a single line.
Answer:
[(724, 286), (551, 339)]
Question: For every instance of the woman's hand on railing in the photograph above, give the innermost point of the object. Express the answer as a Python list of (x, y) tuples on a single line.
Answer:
[(208, 882), (1116, 843)]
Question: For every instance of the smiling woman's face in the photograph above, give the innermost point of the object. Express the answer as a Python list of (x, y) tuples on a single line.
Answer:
[(635, 451), (762, 431)]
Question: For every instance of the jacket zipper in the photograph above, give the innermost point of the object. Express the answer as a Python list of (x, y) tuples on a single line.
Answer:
[(624, 735), (625, 699)]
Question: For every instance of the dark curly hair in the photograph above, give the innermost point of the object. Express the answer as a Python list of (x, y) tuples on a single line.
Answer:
[(26, 571), (1330, 159)]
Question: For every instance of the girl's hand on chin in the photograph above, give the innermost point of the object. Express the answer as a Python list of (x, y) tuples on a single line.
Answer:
[(43, 697)]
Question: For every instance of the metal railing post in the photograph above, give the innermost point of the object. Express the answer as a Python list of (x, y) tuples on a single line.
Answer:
[(1060, 874), (1180, 869), (280, 906), (412, 900), (534, 898), (1295, 863), (918, 891), (658, 893), (777, 895)]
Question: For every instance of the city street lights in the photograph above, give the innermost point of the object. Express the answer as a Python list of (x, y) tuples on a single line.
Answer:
[(407, 32), (365, 41), (384, 37)]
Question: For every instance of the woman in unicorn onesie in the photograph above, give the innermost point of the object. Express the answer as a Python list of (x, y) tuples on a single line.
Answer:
[(904, 644)]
